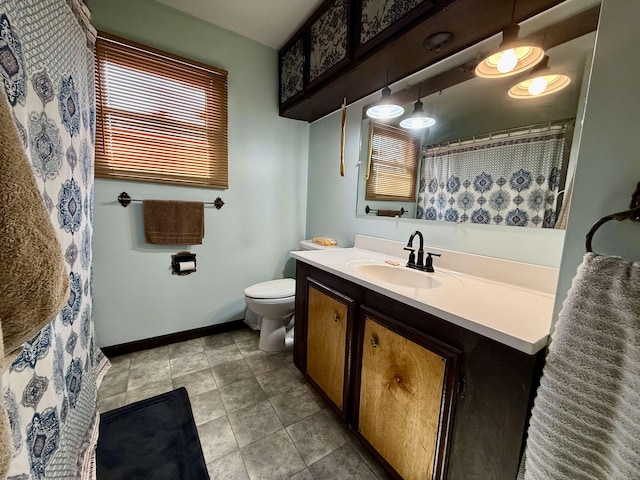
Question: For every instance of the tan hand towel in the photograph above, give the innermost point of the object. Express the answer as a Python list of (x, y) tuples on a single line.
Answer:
[(171, 222), (34, 281)]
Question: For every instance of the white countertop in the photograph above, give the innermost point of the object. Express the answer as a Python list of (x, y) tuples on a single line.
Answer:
[(515, 316)]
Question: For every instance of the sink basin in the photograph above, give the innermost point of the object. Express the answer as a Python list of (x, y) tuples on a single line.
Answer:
[(404, 276)]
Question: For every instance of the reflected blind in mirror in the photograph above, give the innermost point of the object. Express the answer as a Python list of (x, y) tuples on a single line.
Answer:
[(392, 164), (159, 117)]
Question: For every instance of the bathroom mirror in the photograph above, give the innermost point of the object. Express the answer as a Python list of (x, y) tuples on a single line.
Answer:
[(489, 158)]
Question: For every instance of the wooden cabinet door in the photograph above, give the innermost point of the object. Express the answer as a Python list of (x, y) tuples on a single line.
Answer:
[(328, 329), (404, 390)]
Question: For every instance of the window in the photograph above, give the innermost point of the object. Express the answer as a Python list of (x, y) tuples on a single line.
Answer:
[(159, 118), (392, 164)]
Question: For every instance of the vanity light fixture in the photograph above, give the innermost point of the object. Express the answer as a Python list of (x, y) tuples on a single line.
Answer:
[(385, 108), (512, 57), (418, 119), (540, 82)]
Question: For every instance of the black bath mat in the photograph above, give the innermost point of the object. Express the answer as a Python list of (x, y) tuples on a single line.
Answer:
[(155, 438)]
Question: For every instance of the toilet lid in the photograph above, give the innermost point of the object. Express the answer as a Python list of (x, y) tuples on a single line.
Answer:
[(285, 287)]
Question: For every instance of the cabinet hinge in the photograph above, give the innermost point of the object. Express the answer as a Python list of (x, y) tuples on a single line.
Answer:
[(462, 386)]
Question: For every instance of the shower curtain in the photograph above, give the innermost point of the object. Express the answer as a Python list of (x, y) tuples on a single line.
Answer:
[(46, 63), (510, 179)]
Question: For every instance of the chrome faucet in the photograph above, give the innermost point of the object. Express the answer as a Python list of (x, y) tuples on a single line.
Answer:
[(419, 265)]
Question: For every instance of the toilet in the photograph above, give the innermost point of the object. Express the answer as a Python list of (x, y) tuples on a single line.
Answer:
[(270, 308)]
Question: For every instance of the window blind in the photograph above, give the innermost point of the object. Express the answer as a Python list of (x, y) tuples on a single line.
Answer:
[(392, 164), (159, 117)]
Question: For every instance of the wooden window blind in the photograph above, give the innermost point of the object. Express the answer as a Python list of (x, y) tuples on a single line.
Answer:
[(392, 164), (159, 117)]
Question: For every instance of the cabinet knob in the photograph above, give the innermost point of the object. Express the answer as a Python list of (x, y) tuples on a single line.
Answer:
[(374, 342), (336, 317)]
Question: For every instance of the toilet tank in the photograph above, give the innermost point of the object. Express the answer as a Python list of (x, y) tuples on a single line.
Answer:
[(310, 245)]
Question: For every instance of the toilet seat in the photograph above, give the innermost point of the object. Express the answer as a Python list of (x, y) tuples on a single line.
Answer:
[(273, 289)]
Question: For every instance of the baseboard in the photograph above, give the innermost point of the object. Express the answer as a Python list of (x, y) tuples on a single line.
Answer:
[(130, 347)]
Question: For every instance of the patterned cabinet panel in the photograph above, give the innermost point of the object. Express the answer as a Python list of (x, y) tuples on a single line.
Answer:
[(379, 19), (292, 68), (329, 39)]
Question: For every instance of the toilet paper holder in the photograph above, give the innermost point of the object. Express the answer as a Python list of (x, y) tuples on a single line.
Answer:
[(183, 263)]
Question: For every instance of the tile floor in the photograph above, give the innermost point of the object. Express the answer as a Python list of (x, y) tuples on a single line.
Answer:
[(256, 416)]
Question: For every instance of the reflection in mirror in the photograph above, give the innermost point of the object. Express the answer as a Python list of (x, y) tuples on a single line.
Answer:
[(489, 158)]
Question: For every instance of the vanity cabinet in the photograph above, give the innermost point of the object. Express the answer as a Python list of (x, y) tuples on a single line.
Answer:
[(329, 318), (404, 392), (428, 398)]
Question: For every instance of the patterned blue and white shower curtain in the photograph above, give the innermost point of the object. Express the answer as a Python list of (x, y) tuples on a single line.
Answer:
[(50, 390), (508, 179)]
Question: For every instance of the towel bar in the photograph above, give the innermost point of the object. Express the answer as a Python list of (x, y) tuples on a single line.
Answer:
[(124, 199)]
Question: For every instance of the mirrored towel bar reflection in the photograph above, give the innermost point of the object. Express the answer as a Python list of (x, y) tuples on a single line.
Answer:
[(385, 213)]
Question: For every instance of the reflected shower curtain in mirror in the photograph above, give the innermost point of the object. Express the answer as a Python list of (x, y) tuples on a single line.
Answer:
[(512, 178)]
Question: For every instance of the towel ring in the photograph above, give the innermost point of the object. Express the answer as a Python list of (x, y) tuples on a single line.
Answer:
[(633, 214)]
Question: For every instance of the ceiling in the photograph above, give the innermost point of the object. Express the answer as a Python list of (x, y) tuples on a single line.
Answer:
[(270, 22)]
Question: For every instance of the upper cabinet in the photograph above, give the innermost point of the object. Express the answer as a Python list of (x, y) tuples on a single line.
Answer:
[(292, 69), (329, 39), (351, 48), (379, 19)]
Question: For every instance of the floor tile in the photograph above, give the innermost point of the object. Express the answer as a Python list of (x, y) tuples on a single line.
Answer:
[(371, 462), (294, 405), (182, 349), (287, 356), (243, 334), (337, 421), (109, 403), (296, 373), (145, 357), (229, 467), (241, 394), (120, 361), (315, 395), (259, 458), (263, 421), (249, 347), (343, 463), (216, 438), (146, 374), (302, 475), (231, 372), (196, 382), (253, 423), (206, 406), (265, 362), (192, 363), (315, 437), (224, 354), (277, 381), (218, 340), (149, 390), (114, 382)]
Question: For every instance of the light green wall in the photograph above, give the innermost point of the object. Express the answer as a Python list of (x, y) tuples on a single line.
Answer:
[(135, 296), (609, 158)]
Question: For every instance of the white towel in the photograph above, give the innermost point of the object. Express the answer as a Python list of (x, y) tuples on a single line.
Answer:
[(585, 423)]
